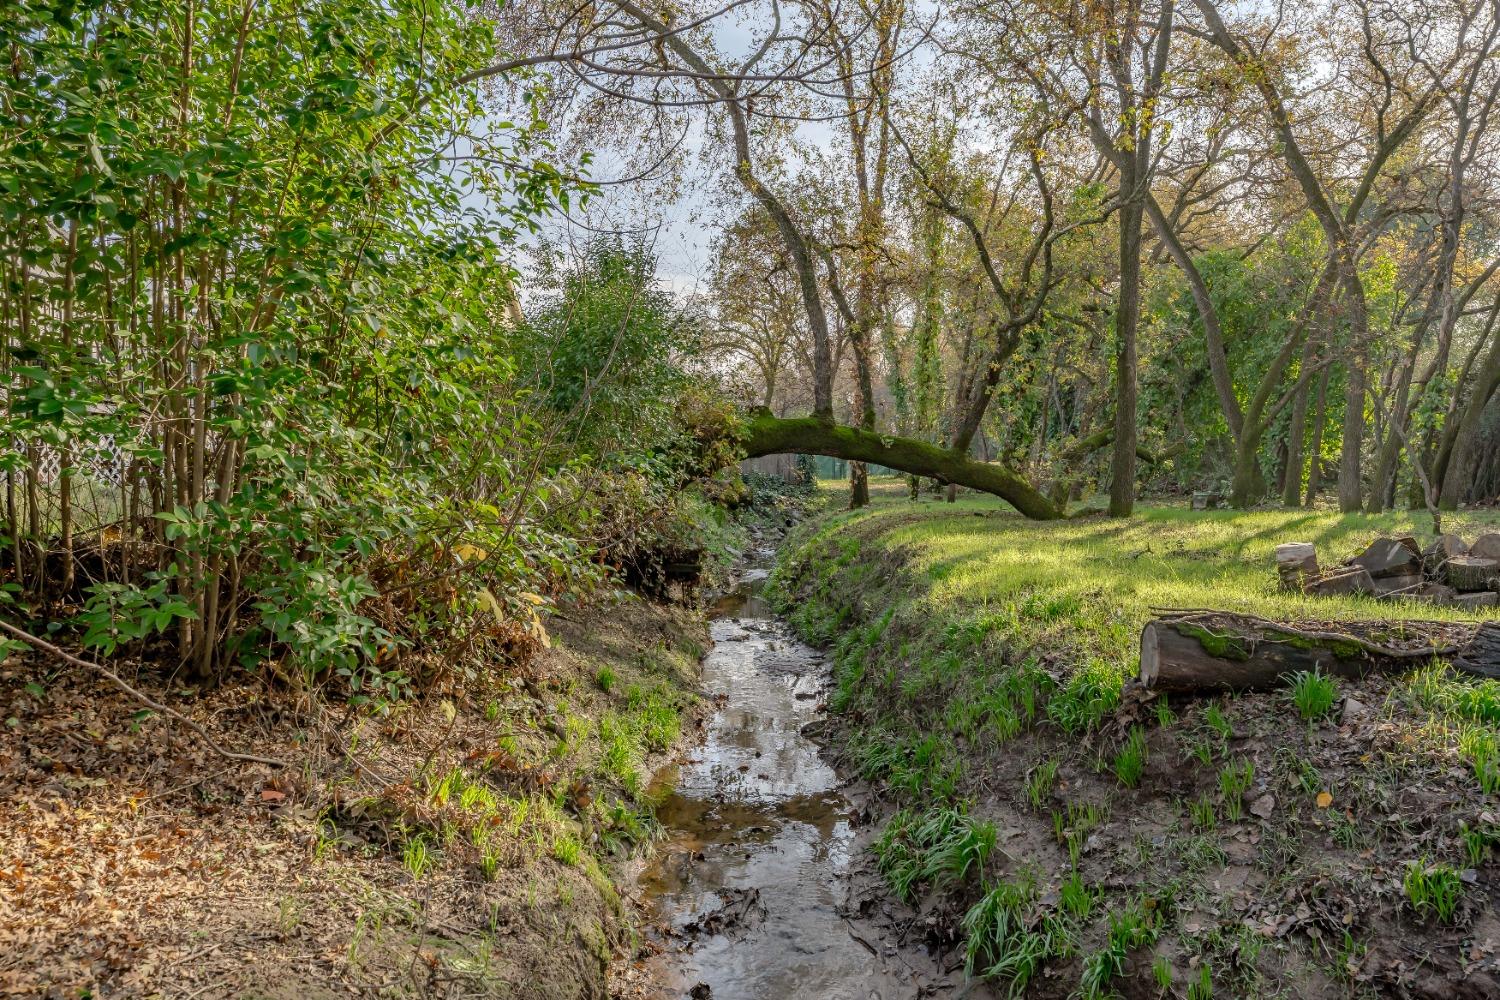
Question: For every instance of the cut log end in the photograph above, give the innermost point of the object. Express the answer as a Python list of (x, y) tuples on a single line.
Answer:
[(1150, 654), (1472, 573)]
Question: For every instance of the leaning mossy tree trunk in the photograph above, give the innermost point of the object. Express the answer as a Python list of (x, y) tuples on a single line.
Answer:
[(769, 435)]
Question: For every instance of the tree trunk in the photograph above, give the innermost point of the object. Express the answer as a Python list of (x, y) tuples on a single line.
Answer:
[(864, 407), (1383, 483), (768, 435), (1351, 486), (1315, 455), (1213, 331), (1248, 485), (1458, 475), (859, 485), (1127, 314), (1291, 486), (797, 245)]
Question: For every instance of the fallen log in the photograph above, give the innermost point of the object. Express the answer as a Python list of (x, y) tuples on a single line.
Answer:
[(1215, 651)]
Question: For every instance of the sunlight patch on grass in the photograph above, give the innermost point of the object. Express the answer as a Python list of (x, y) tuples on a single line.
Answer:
[(1091, 584)]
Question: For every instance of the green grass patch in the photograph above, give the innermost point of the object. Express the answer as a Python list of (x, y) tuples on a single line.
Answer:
[(937, 616), (940, 846), (1313, 693), (1130, 761), (1433, 890), (959, 629)]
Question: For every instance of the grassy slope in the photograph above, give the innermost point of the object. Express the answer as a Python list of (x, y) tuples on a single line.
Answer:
[(979, 659)]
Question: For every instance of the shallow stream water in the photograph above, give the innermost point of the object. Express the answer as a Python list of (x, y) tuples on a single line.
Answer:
[(752, 883)]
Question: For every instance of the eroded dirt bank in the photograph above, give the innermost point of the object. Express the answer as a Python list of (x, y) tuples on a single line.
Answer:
[(464, 846)]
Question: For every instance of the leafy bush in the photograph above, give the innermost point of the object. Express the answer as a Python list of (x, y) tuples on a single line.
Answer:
[(300, 355)]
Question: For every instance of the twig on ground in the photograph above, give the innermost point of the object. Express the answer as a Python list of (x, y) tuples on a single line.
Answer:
[(119, 682)]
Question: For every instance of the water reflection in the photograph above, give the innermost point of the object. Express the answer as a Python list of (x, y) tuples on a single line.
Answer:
[(759, 835)]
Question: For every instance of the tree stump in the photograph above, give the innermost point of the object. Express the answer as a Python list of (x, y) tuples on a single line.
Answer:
[(1486, 547), (1296, 564), (1436, 556), (1471, 573)]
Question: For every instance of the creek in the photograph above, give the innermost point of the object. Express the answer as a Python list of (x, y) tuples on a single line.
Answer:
[(753, 886)]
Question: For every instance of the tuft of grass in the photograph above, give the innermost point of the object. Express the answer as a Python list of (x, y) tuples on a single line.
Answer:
[(1130, 762), (606, 679), (1165, 717), (1076, 898), (1161, 973), (1129, 928), (941, 846), (1348, 959), (1072, 826), (1090, 694), (416, 856), (1480, 746), (1350, 834), (1202, 751), (1217, 721), (1313, 693), (1202, 988), (489, 861), (1433, 890), (1234, 781), (1477, 841), (1040, 782), (1301, 774), (1006, 942), (567, 848), (452, 783), (1203, 813)]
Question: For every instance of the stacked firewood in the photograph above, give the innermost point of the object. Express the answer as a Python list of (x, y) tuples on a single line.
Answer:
[(1447, 572)]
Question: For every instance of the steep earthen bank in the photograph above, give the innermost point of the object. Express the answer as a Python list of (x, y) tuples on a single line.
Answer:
[(467, 845)]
